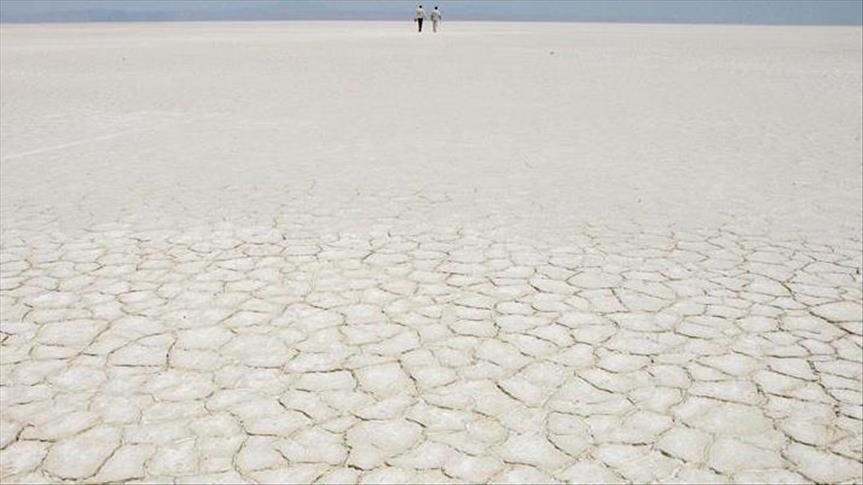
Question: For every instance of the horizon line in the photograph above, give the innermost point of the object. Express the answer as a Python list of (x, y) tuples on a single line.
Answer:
[(531, 21)]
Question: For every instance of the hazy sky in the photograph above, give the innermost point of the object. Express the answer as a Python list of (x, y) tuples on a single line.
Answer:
[(848, 12)]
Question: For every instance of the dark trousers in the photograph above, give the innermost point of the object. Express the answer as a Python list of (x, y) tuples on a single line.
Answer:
[(420, 24)]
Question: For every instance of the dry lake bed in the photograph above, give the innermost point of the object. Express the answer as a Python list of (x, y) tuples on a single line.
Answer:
[(331, 252)]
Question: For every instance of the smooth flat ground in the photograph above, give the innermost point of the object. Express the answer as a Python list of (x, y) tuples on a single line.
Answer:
[(294, 252)]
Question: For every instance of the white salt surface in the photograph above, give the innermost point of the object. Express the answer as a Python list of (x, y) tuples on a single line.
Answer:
[(507, 252)]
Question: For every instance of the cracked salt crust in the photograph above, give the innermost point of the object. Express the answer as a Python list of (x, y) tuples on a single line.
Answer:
[(257, 276)]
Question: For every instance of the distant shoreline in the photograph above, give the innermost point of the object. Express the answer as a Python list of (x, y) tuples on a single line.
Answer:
[(483, 21)]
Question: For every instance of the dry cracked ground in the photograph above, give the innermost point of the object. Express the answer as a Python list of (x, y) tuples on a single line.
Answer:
[(226, 290)]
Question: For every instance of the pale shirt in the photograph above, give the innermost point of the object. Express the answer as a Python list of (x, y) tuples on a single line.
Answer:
[(420, 14), (435, 16)]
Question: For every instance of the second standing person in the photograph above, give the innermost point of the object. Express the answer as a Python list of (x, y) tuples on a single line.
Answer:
[(435, 18)]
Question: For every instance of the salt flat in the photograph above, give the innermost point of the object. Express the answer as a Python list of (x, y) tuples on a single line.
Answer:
[(339, 252)]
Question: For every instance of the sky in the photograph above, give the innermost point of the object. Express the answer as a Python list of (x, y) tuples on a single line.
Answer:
[(830, 12)]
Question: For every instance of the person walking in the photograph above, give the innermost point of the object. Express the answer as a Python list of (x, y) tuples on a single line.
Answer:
[(435, 18), (419, 16)]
